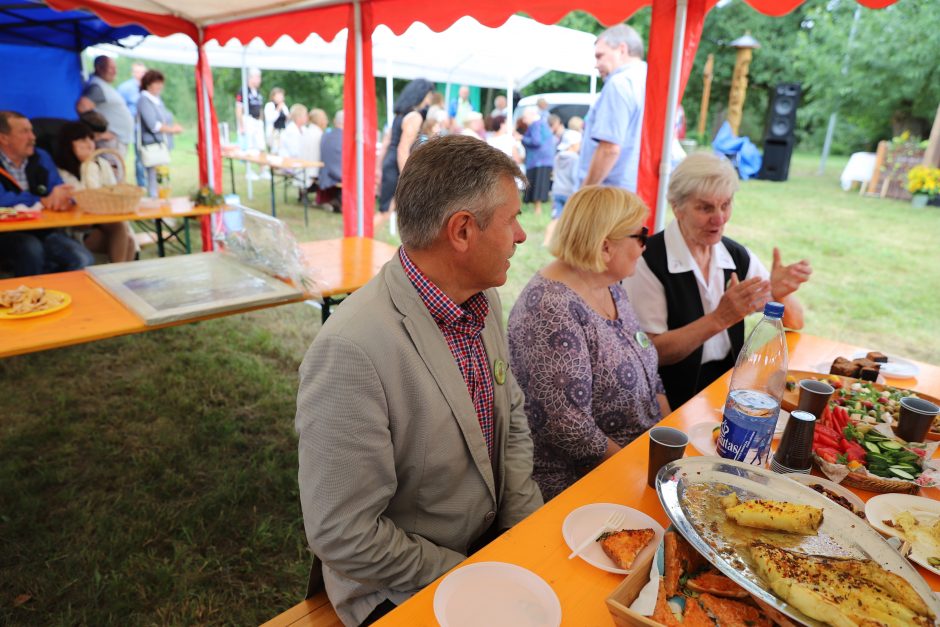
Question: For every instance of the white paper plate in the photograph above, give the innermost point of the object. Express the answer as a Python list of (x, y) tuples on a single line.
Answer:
[(700, 435), (886, 506), (589, 518), (896, 368), (810, 480), (496, 594)]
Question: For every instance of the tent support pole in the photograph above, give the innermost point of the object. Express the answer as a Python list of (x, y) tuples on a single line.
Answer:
[(360, 121), (509, 89), (678, 44), (389, 94)]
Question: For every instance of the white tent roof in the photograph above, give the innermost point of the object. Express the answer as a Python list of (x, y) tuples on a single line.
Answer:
[(521, 50)]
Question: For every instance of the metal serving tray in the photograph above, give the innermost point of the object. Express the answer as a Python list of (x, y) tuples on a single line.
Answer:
[(689, 490)]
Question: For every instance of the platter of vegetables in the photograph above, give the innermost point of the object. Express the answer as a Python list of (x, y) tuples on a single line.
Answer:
[(869, 456), (862, 401)]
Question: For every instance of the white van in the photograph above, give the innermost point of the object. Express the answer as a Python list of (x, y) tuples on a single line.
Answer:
[(564, 105)]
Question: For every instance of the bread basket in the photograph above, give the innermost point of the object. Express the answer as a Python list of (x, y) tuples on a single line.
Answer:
[(110, 200), (865, 480)]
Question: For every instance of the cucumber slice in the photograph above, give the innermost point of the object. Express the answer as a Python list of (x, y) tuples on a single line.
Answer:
[(876, 458), (901, 473), (892, 445), (871, 446)]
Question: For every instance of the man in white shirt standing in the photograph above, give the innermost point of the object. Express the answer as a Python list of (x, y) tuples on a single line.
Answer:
[(99, 95)]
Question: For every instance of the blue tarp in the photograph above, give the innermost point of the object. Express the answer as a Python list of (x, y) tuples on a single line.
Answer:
[(39, 50), (741, 150)]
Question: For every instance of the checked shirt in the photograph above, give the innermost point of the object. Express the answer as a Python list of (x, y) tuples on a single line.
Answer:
[(462, 327)]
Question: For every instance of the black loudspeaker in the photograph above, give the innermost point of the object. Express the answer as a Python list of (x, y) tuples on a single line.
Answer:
[(779, 137)]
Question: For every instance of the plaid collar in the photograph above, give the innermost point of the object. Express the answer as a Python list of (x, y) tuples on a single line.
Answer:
[(469, 318), (18, 173)]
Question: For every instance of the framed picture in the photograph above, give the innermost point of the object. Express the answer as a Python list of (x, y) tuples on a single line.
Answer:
[(190, 286)]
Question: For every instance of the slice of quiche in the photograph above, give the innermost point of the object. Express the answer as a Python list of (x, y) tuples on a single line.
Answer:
[(839, 591), (623, 546), (777, 516)]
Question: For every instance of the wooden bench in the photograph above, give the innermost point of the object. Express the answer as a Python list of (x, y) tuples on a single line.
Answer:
[(313, 612)]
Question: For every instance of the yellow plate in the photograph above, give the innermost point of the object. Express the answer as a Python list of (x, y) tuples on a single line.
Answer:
[(67, 300)]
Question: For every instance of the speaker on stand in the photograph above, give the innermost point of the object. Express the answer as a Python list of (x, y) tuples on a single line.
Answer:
[(779, 138)]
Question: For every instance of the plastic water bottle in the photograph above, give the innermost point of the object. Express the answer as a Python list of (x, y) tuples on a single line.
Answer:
[(757, 385)]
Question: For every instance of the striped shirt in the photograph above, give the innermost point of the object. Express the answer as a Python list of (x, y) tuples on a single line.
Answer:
[(462, 328), (18, 173)]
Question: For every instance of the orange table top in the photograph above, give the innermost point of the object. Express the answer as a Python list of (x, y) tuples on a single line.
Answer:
[(537, 544), (172, 208), (95, 315), (344, 265), (263, 158)]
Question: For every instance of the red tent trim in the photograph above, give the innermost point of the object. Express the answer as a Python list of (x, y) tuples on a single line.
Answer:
[(158, 24)]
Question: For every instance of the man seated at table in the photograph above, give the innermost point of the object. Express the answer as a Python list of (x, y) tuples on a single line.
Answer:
[(331, 174), (414, 446), (27, 176)]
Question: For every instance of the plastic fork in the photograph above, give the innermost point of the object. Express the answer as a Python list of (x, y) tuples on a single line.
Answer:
[(613, 521)]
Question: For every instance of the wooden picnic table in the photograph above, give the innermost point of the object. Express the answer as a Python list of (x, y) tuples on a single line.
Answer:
[(279, 166), (343, 266), (537, 544), (150, 209)]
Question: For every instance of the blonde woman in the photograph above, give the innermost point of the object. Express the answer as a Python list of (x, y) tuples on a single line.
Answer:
[(576, 348)]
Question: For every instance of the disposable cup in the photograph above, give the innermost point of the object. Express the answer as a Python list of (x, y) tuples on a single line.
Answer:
[(814, 395), (915, 418), (666, 445)]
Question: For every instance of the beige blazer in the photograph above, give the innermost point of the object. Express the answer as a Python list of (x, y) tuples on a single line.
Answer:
[(395, 479)]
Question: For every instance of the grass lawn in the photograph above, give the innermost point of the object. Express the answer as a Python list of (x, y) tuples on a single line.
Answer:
[(152, 478)]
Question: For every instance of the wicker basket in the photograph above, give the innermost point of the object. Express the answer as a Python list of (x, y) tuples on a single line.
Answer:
[(113, 199), (870, 482)]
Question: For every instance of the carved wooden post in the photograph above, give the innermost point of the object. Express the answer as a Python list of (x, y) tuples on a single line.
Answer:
[(706, 93), (742, 64)]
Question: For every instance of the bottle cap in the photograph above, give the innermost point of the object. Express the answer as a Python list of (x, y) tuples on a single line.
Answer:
[(773, 310)]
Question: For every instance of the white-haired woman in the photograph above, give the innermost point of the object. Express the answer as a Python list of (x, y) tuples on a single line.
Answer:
[(587, 370), (694, 287)]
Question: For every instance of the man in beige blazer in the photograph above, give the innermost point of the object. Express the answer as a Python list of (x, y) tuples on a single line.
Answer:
[(402, 471)]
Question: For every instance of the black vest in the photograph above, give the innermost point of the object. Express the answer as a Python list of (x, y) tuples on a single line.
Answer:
[(683, 380), (36, 175)]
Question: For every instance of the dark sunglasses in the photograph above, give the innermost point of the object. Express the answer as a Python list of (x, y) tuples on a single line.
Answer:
[(642, 236)]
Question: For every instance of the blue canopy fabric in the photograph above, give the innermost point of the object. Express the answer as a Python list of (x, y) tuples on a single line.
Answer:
[(40, 51), (32, 23)]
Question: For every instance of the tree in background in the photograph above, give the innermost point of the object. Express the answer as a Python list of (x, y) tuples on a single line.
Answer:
[(893, 79)]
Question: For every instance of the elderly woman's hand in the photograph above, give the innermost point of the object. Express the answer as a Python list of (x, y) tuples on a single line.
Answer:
[(785, 280), (741, 299)]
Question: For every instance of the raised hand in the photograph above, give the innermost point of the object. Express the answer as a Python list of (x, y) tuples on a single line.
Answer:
[(785, 280), (741, 299)]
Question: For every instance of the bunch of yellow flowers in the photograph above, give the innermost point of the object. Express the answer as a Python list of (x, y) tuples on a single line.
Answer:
[(922, 179)]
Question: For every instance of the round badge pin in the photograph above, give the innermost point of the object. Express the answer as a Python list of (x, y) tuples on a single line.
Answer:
[(499, 371), (642, 339)]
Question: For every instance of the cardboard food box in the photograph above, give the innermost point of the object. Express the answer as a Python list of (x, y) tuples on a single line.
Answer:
[(623, 596), (619, 601)]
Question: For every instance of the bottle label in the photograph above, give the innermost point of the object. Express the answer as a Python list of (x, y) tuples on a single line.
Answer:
[(747, 427)]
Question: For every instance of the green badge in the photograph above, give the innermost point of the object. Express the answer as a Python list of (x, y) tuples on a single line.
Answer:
[(499, 371), (642, 339)]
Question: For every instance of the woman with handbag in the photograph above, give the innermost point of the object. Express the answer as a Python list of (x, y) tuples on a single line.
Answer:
[(153, 125), (77, 145)]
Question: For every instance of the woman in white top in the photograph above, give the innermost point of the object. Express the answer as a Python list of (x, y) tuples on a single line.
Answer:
[(276, 115), (76, 145), (501, 138), (154, 119)]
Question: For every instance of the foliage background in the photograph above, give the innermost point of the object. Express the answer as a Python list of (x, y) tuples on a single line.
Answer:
[(892, 82)]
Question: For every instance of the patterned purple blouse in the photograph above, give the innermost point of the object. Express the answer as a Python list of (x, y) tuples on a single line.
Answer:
[(585, 379)]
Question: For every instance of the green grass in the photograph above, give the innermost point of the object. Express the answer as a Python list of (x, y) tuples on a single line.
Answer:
[(152, 478)]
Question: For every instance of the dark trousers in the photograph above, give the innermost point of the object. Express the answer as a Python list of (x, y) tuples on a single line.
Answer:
[(27, 253)]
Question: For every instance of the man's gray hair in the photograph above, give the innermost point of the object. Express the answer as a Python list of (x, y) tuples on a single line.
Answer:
[(446, 175), (339, 118), (623, 34)]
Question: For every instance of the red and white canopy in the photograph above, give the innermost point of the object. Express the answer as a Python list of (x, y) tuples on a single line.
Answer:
[(673, 40)]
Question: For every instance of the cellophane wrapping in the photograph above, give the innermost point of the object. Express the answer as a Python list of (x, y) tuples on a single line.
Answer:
[(266, 243)]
